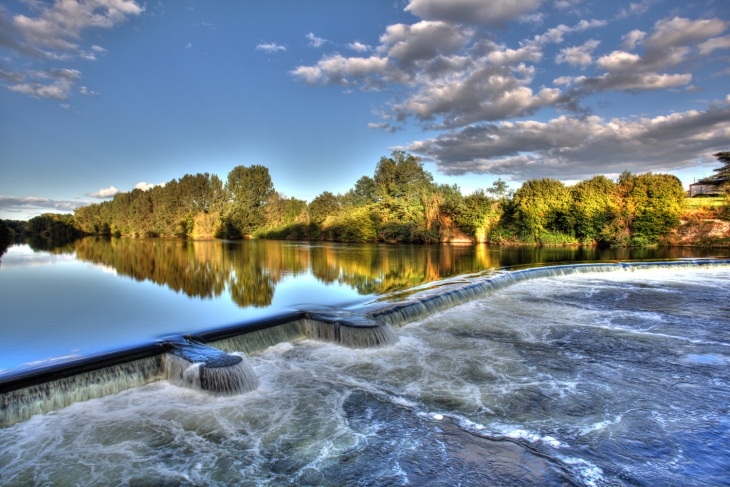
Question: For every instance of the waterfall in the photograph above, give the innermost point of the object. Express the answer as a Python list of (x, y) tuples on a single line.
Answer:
[(21, 404), (224, 369), (424, 304), (258, 341), (195, 365)]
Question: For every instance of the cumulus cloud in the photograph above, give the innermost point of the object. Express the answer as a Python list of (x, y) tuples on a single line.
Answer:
[(447, 75), (59, 90), (556, 35), (103, 193), (631, 81), (710, 45), (385, 126), (578, 55), (85, 91), (70, 75), (637, 8), (575, 148), (33, 204), (12, 76), (359, 46), (145, 186), (632, 39), (672, 43), (270, 47), (485, 93), (315, 41), (486, 12), (59, 26)]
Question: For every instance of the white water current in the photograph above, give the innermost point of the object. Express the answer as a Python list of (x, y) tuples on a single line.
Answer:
[(591, 379)]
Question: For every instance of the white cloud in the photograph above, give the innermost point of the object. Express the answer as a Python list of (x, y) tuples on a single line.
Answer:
[(578, 55), (565, 4), (85, 91), (59, 25), (60, 74), (637, 8), (145, 186), (337, 69), (487, 12), (385, 126), (270, 47), (12, 76), (15, 204), (532, 18), (315, 41), (188, 45), (555, 34), (618, 61), (103, 193), (632, 39), (632, 81), (576, 148), (359, 47), (712, 44), (59, 90)]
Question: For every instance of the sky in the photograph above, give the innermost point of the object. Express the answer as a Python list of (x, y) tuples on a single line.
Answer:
[(102, 96)]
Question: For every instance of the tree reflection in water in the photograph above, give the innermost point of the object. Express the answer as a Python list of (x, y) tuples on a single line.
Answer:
[(249, 270)]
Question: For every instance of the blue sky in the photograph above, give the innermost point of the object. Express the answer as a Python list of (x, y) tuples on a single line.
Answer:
[(101, 96)]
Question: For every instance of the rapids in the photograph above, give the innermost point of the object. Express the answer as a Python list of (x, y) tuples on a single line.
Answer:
[(611, 378)]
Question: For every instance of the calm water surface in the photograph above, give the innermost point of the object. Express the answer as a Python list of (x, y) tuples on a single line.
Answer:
[(96, 295), (588, 380)]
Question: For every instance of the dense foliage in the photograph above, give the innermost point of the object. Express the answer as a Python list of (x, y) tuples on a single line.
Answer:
[(400, 202), (722, 178)]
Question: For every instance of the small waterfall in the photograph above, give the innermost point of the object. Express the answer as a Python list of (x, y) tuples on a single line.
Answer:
[(362, 333), (258, 341), (382, 335), (421, 306), (21, 404), (198, 366)]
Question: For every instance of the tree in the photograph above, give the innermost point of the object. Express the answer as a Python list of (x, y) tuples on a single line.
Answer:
[(593, 207), (542, 206), (250, 189), (322, 206), (722, 178)]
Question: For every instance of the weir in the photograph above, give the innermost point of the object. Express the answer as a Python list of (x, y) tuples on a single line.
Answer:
[(215, 361)]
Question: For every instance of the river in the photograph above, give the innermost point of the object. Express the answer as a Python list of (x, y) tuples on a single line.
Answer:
[(592, 379)]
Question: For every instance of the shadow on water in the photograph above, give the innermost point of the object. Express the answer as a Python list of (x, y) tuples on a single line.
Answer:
[(250, 270)]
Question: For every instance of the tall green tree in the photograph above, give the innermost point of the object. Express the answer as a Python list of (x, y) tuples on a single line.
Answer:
[(542, 206), (250, 188), (593, 207)]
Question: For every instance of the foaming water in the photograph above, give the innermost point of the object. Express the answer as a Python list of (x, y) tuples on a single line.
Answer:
[(234, 379), (616, 378)]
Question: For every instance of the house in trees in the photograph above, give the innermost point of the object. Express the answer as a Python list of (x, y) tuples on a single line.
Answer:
[(697, 189)]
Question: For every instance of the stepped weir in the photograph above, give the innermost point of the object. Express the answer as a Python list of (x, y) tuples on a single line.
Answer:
[(215, 361)]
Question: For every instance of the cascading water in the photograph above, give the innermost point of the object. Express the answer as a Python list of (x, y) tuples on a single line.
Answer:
[(589, 379), (20, 404)]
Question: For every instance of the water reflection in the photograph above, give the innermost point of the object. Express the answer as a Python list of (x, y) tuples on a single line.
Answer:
[(250, 270)]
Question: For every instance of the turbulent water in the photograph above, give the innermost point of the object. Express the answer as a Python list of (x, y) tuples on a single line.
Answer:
[(595, 379)]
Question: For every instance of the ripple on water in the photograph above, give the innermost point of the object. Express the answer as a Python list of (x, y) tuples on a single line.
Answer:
[(543, 383)]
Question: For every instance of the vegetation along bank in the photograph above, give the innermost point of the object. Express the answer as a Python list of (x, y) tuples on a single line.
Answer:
[(402, 203)]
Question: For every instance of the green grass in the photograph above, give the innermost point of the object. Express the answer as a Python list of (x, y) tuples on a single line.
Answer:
[(705, 202)]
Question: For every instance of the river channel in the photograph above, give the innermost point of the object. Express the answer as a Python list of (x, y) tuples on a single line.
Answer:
[(590, 379)]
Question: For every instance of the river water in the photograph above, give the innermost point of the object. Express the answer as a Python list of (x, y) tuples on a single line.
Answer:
[(593, 379)]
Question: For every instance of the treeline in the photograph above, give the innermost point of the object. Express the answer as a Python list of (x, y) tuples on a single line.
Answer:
[(399, 203)]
